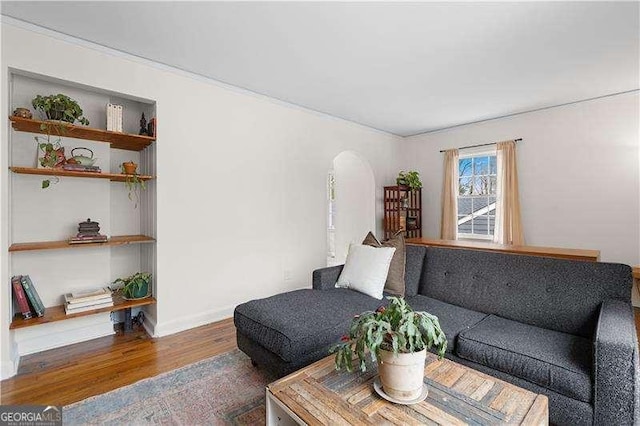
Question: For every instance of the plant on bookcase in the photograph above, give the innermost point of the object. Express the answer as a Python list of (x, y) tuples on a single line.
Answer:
[(410, 179), (137, 286), (59, 107), (133, 182), (396, 337)]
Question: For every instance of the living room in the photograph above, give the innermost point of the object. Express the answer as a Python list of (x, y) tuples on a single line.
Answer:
[(255, 101)]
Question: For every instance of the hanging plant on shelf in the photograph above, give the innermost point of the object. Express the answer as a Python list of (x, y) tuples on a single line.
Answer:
[(133, 182), (50, 156), (410, 179), (59, 107)]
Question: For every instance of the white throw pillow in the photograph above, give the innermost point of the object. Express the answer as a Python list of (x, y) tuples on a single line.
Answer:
[(366, 269)]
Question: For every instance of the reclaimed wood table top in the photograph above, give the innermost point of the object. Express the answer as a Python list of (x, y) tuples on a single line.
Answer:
[(320, 395)]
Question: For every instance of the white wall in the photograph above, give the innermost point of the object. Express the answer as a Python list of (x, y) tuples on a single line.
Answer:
[(355, 202), (241, 179), (578, 168)]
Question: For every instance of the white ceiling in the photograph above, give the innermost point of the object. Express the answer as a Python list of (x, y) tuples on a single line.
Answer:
[(405, 68)]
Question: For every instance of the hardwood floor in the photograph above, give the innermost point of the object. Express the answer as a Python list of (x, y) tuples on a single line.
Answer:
[(72, 373)]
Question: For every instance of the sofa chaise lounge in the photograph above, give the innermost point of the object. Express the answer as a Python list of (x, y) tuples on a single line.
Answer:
[(557, 327)]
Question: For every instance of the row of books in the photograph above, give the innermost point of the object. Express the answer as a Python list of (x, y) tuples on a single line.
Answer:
[(87, 301), (114, 117), (26, 297)]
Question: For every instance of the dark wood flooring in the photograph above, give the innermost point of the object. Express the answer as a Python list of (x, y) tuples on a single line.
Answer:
[(65, 375)]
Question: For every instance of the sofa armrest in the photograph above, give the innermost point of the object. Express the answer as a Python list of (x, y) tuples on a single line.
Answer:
[(325, 278), (616, 368)]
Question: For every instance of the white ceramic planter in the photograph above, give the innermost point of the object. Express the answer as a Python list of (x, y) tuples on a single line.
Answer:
[(402, 375)]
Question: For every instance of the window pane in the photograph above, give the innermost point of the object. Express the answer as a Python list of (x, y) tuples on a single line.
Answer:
[(492, 165), (481, 225), (492, 200), (465, 228), (481, 165), (480, 185), (464, 187), (479, 203), (464, 167), (492, 224), (492, 185), (464, 206)]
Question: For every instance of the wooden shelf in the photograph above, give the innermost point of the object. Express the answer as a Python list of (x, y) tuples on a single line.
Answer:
[(116, 139), (118, 240), (56, 313), (114, 177)]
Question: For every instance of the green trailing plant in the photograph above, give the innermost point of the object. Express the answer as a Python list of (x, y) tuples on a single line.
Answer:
[(396, 328), (59, 107), (134, 185), (133, 285), (410, 179)]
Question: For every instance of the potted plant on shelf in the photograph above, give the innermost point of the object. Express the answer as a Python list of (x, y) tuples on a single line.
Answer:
[(133, 182), (410, 179), (397, 337), (59, 107), (136, 286)]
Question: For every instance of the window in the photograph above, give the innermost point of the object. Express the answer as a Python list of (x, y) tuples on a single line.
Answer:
[(477, 195)]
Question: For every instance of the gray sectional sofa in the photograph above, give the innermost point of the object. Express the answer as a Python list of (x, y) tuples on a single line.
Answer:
[(558, 327)]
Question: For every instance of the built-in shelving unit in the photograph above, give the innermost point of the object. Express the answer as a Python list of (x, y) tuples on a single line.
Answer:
[(114, 177), (57, 313), (117, 140), (55, 274), (118, 240)]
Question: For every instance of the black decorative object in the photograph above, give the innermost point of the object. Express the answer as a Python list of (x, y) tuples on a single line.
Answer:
[(88, 232), (143, 126)]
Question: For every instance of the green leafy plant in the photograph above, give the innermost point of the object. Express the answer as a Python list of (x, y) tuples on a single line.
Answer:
[(52, 156), (59, 107), (410, 179), (132, 286), (134, 185), (396, 328)]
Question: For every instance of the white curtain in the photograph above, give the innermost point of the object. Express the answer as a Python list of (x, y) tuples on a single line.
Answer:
[(449, 217), (508, 228)]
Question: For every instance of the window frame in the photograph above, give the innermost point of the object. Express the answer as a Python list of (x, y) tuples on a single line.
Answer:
[(480, 152)]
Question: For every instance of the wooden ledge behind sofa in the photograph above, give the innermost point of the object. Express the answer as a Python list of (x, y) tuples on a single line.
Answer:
[(563, 253)]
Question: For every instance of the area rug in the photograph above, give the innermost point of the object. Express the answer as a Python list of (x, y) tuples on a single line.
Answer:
[(223, 390)]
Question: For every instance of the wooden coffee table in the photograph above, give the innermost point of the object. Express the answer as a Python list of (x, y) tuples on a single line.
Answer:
[(318, 394)]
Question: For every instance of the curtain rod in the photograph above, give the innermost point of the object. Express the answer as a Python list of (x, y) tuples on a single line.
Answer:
[(482, 144)]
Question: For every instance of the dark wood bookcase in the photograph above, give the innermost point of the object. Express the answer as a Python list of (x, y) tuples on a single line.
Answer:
[(402, 211)]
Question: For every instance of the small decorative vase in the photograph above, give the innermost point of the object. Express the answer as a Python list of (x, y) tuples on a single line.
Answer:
[(129, 168), (22, 113), (402, 375)]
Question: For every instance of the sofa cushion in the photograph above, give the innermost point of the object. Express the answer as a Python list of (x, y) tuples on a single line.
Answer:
[(395, 278), (298, 322), (453, 319), (557, 361), (413, 269), (556, 294)]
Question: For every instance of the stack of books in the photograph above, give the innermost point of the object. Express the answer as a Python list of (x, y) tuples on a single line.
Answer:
[(87, 301), (81, 168), (88, 232)]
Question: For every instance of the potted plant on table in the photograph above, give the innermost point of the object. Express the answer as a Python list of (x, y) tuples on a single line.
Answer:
[(397, 337), (136, 286)]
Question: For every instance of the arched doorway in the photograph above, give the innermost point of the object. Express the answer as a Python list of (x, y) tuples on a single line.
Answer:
[(351, 204)]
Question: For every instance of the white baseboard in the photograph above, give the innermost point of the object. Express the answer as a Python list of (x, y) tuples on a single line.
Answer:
[(185, 323), (9, 369), (56, 334), (149, 325)]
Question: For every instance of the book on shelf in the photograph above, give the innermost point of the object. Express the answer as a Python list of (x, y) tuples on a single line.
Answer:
[(21, 297), (32, 295), (73, 309), (81, 168), (88, 239), (72, 303), (114, 117), (85, 295)]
